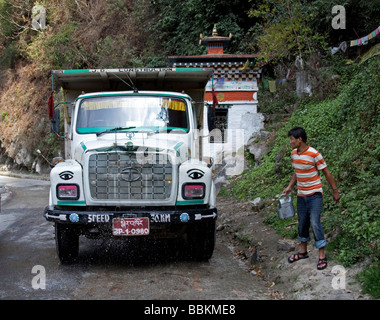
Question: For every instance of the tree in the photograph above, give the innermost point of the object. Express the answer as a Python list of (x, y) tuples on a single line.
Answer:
[(179, 24), (286, 31)]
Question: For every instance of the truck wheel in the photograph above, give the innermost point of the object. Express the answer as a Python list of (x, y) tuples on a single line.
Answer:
[(202, 242), (67, 243)]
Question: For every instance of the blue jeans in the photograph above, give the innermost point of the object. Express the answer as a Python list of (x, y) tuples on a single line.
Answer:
[(309, 211)]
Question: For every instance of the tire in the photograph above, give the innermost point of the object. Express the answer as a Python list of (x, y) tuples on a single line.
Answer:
[(67, 243), (202, 242)]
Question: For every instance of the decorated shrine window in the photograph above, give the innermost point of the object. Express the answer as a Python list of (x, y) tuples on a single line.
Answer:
[(219, 134)]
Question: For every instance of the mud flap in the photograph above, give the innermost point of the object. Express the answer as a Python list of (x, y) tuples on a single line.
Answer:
[(67, 243)]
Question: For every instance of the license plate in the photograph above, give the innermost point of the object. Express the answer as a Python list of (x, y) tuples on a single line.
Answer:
[(130, 226)]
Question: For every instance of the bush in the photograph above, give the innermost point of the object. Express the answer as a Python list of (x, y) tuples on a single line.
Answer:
[(55, 50), (370, 280), (346, 130)]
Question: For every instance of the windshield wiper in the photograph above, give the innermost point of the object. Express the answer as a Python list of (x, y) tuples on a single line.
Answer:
[(114, 130)]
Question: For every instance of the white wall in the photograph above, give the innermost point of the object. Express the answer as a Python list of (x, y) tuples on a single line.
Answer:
[(243, 121)]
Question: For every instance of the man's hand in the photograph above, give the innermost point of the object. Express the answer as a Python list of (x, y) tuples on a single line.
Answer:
[(336, 195), (287, 190), (292, 183), (331, 181)]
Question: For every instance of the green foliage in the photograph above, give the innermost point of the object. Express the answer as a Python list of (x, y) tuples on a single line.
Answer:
[(182, 38), (287, 30), (344, 127), (12, 17), (55, 50), (270, 102), (347, 250), (370, 279), (82, 34), (346, 130), (112, 52), (9, 56), (51, 146), (4, 116), (294, 27)]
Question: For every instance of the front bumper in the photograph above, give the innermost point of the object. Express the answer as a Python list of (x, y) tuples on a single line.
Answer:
[(156, 217)]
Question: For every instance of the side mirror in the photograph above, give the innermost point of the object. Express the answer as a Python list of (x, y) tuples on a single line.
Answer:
[(54, 122)]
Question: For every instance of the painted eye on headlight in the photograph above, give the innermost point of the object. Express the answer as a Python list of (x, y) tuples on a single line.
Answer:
[(195, 174), (66, 175)]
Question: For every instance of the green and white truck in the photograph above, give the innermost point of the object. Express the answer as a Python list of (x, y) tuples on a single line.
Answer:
[(133, 165)]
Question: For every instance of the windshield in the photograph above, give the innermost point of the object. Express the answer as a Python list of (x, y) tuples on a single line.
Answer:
[(142, 113)]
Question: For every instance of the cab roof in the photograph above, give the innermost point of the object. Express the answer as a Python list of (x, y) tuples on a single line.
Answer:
[(122, 79), (131, 93)]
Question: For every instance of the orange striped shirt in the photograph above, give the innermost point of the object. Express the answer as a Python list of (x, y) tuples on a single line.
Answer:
[(307, 166)]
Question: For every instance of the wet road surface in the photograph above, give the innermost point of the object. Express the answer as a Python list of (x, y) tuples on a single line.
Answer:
[(106, 269)]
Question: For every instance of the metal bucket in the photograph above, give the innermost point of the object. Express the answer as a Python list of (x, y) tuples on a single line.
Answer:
[(285, 209)]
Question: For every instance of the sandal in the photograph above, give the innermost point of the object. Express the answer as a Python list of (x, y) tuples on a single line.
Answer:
[(297, 256), (322, 264)]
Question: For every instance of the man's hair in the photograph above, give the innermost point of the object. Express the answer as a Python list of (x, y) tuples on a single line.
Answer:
[(298, 132)]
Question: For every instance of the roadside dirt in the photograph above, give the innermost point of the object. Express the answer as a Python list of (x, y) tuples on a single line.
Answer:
[(264, 254)]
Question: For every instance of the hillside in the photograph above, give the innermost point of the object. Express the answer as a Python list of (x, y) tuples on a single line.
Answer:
[(345, 128), (129, 33), (341, 117)]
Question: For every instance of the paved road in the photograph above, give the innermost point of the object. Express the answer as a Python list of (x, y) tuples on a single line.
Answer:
[(30, 268)]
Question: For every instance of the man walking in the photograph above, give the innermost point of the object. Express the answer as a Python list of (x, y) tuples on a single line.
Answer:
[(307, 163)]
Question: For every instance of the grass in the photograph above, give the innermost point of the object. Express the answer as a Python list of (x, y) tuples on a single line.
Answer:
[(370, 280), (345, 128)]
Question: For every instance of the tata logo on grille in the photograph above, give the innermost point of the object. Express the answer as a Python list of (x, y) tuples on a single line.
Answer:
[(130, 174)]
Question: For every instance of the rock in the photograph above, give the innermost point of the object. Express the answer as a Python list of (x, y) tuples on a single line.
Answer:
[(254, 257), (258, 150), (257, 145), (256, 204), (285, 245), (40, 166), (220, 227), (23, 157), (256, 201)]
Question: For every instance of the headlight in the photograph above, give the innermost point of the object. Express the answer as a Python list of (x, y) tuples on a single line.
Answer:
[(193, 191), (68, 192)]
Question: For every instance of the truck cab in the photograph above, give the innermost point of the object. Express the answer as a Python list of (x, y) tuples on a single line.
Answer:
[(133, 165)]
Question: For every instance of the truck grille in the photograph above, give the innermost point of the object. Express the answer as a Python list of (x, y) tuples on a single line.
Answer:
[(120, 176)]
